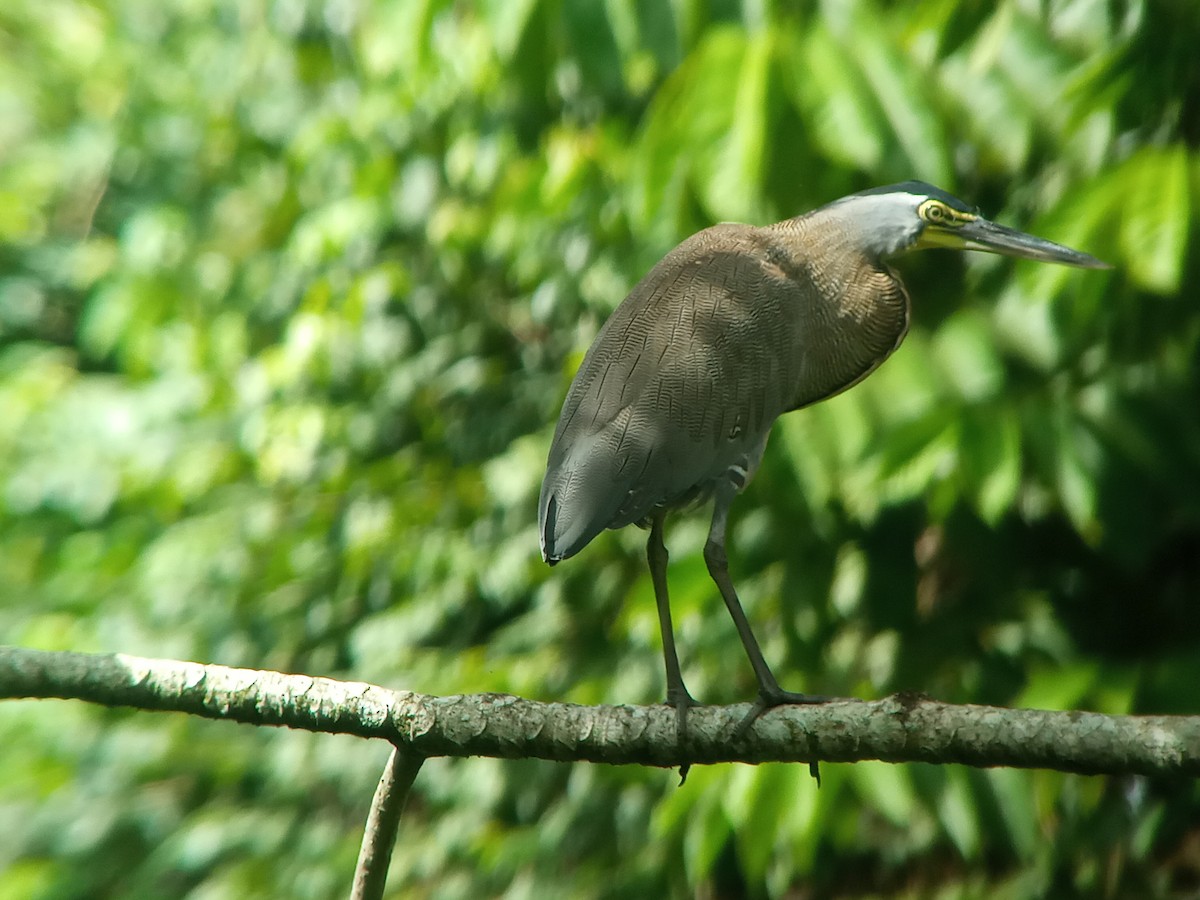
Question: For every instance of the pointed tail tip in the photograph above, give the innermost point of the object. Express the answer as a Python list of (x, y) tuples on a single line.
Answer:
[(546, 526), (549, 557)]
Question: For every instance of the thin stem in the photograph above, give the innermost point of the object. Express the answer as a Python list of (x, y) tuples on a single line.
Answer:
[(383, 823)]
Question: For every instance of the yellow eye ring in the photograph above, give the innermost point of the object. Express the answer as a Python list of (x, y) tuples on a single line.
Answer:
[(937, 213)]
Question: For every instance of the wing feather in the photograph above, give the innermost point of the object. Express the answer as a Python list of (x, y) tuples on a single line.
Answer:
[(704, 352), (733, 327)]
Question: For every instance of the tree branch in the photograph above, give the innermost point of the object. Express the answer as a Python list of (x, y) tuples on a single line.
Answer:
[(900, 728), (383, 823)]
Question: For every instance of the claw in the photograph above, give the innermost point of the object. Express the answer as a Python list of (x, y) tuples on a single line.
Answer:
[(679, 698), (768, 699)]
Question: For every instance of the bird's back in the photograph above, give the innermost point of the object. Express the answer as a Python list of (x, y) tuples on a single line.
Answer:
[(684, 380)]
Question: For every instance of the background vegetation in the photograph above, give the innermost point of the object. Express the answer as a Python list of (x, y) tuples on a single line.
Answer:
[(290, 294)]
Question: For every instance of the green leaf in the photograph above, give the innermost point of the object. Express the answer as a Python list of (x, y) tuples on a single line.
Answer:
[(732, 184), (586, 23), (705, 835), (887, 789), (990, 459), (1076, 479), (1014, 800), (1059, 687), (966, 352), (1155, 214), (758, 800), (507, 21), (835, 101), (916, 456), (822, 442), (956, 808), (897, 89), (695, 107)]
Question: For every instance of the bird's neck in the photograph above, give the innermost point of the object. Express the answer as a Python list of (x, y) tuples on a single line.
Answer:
[(856, 309), (849, 275)]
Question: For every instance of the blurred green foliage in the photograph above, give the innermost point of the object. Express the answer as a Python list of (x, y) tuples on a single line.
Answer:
[(290, 294)]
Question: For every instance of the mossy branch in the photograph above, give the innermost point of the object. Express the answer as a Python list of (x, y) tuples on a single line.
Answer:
[(900, 728)]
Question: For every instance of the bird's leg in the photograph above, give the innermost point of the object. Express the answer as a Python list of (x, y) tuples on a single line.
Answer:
[(770, 694), (677, 692)]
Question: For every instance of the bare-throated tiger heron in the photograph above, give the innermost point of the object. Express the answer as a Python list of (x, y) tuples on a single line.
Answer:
[(734, 327)]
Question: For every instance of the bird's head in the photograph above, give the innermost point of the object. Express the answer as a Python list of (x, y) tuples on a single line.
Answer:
[(914, 215)]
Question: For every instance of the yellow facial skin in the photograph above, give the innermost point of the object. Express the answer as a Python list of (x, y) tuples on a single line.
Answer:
[(942, 221)]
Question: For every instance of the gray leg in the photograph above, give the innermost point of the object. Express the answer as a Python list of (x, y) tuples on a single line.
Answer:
[(769, 692), (677, 692)]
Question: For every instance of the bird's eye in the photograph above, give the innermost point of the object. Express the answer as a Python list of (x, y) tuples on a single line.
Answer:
[(937, 213)]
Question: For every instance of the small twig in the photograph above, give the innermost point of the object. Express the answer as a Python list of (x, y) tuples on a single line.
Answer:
[(383, 822)]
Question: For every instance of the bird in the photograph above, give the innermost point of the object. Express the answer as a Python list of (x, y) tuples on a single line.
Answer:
[(739, 324)]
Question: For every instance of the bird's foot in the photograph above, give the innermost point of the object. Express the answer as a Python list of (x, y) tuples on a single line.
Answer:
[(769, 698), (682, 701)]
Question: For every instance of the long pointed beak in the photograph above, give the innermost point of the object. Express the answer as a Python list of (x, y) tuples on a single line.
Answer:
[(980, 234)]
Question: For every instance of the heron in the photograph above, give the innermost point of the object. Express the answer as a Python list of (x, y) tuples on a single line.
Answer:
[(737, 325)]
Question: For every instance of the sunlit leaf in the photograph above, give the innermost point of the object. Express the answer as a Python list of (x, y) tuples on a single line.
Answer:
[(1155, 212), (734, 181), (705, 835), (835, 100), (966, 351), (956, 810), (888, 789), (1059, 687), (990, 458)]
